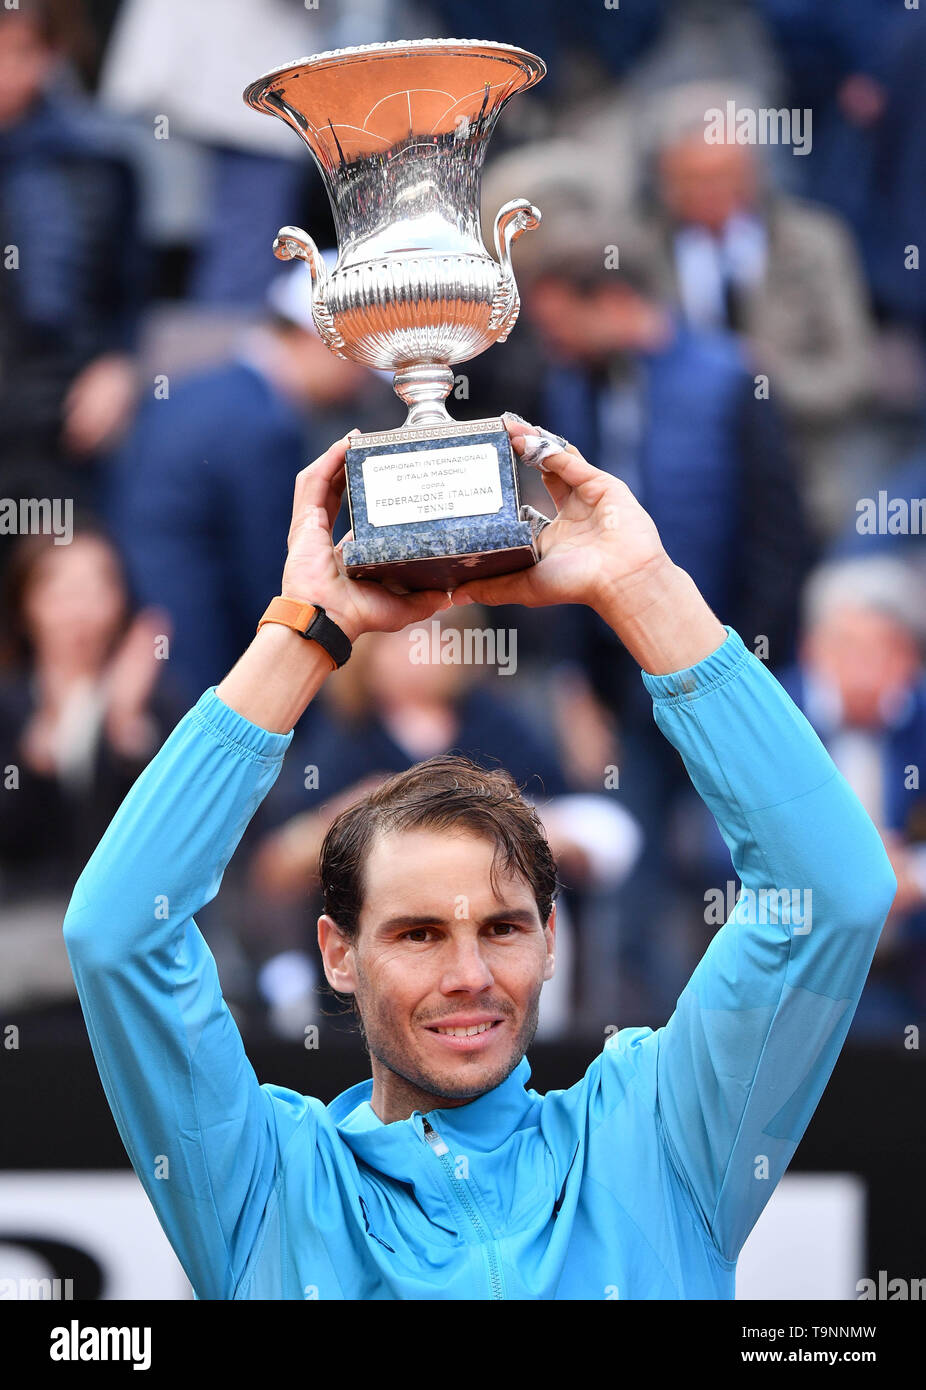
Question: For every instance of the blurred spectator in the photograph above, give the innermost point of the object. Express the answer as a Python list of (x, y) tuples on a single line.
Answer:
[(386, 711), (861, 682), (781, 272), (190, 63), (72, 285), (202, 493), (83, 708)]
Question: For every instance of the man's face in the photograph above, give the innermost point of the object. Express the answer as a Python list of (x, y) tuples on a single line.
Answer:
[(868, 657), (438, 952), (590, 326), (706, 184)]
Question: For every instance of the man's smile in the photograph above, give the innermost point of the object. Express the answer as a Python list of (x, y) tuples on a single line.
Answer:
[(465, 1036)]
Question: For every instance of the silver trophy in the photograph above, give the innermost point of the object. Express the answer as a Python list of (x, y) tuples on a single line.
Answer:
[(399, 133)]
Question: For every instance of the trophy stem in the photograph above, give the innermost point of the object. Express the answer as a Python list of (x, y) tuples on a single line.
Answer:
[(424, 389)]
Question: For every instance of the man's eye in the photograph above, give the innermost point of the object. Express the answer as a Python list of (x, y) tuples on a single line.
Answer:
[(505, 928), (415, 934)]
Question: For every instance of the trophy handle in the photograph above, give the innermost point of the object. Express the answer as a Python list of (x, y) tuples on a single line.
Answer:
[(293, 244), (511, 221)]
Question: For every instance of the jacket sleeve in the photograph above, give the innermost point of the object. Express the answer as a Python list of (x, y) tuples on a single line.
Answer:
[(201, 1133), (755, 1034)]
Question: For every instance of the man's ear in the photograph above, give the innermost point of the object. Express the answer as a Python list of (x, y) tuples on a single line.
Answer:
[(337, 956), (549, 932)]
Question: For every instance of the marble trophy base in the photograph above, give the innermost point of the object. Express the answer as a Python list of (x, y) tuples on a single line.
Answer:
[(435, 506)]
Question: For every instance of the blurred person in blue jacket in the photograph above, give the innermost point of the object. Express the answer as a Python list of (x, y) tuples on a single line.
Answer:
[(200, 492), (73, 282), (406, 697), (675, 413)]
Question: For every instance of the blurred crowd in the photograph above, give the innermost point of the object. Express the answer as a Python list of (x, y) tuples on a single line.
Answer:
[(738, 330)]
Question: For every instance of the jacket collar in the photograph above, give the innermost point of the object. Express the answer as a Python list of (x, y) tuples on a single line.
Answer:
[(481, 1126)]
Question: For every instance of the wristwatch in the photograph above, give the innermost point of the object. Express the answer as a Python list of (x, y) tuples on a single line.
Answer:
[(311, 622)]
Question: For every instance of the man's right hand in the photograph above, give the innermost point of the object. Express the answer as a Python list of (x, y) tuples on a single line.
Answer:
[(312, 575)]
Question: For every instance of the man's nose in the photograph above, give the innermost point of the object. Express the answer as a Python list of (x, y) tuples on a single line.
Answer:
[(467, 969)]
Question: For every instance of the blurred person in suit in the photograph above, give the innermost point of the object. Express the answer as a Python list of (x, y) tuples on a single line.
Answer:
[(399, 701), (73, 282), (737, 254), (200, 494), (85, 702)]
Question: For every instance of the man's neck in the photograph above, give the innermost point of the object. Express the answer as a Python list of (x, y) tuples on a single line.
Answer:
[(395, 1098)]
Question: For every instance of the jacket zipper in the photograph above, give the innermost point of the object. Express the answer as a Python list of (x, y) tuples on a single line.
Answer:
[(442, 1154)]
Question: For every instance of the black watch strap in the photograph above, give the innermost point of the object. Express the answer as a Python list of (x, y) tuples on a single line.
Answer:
[(328, 635)]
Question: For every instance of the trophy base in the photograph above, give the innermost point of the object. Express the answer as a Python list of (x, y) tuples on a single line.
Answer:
[(433, 507), (448, 572)]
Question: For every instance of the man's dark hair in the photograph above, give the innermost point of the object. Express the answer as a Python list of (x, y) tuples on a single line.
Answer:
[(445, 793)]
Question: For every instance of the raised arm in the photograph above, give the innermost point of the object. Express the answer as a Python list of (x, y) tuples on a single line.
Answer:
[(754, 1037), (199, 1130), (746, 1055), (203, 1136)]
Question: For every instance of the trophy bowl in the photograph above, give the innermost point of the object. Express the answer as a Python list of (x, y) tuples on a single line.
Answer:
[(399, 133)]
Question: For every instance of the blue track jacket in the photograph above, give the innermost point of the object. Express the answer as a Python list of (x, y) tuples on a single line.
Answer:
[(642, 1180)]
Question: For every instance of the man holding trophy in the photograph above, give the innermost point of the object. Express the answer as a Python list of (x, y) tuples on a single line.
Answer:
[(443, 1176)]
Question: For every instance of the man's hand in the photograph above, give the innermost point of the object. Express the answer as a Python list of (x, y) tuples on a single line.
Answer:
[(602, 549), (312, 574), (599, 546), (280, 673)]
